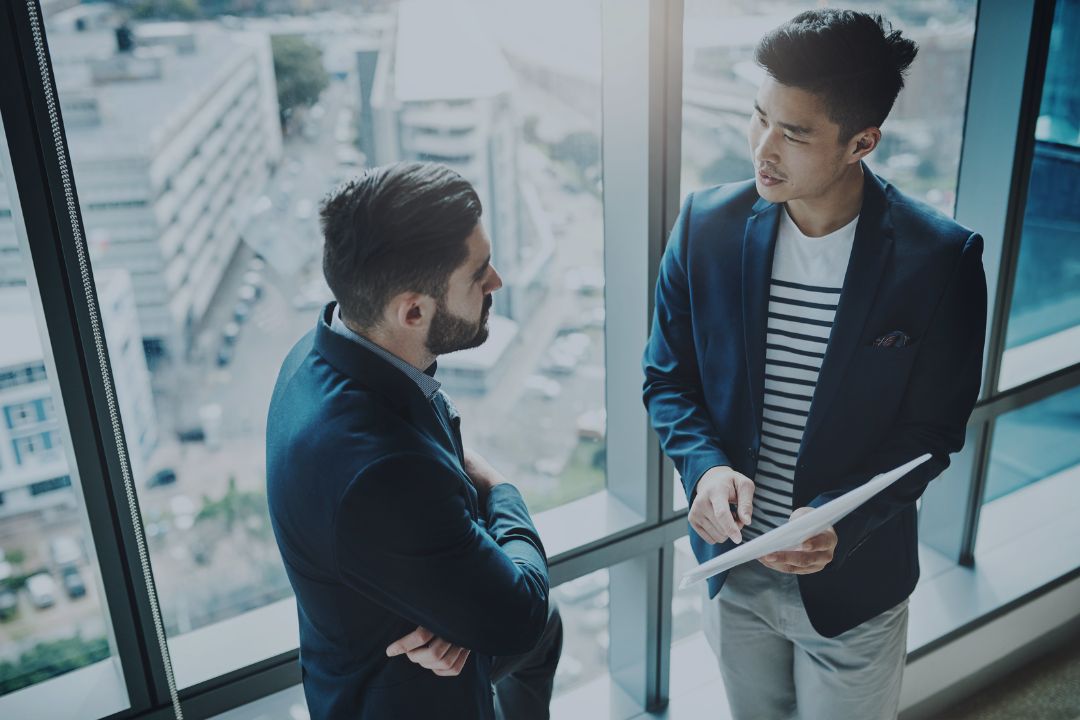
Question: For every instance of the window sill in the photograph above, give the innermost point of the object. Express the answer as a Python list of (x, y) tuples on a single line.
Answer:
[(1028, 541), (216, 650), (1039, 358), (96, 690), (579, 524)]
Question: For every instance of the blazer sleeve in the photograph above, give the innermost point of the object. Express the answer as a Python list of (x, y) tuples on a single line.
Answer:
[(673, 393), (404, 537), (938, 401)]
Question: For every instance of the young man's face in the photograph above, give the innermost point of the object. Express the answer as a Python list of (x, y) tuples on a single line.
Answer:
[(796, 149), (460, 321)]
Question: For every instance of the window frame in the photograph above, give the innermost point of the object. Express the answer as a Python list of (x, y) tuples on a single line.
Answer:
[(641, 145)]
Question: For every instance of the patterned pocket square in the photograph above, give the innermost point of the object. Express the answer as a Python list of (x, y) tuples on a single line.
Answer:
[(894, 339)]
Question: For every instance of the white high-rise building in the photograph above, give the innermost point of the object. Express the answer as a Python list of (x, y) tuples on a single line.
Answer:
[(33, 465), (444, 93), (173, 130)]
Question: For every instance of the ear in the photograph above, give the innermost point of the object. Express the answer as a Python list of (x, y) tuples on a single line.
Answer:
[(410, 310), (862, 144)]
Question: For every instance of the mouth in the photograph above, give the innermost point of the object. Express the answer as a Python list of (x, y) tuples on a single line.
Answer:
[(767, 179)]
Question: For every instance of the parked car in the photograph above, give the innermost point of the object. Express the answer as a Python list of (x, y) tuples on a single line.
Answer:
[(230, 333), (247, 294), (73, 582), (592, 424), (241, 311), (165, 476), (42, 589), (64, 550), (254, 279), (224, 355), (9, 603)]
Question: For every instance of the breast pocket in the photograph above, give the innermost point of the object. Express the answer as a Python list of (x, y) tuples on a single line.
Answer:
[(878, 376)]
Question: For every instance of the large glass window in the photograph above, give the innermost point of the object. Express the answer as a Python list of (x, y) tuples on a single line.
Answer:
[(1034, 471), (1044, 318), (201, 150), (1034, 443), (920, 147), (55, 633)]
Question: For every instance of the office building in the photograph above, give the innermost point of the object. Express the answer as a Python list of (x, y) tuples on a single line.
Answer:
[(164, 189)]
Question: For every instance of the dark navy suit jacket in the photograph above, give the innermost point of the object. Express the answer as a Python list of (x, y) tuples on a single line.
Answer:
[(381, 531), (874, 408)]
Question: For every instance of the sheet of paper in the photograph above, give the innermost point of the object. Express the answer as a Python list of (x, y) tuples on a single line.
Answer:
[(793, 532)]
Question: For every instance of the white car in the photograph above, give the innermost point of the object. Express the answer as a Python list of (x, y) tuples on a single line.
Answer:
[(42, 589), (64, 550)]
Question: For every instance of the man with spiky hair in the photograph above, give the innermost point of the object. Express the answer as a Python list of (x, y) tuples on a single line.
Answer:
[(814, 326), (421, 583)]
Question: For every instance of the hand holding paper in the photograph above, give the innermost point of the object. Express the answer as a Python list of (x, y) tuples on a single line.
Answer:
[(811, 556), (800, 528)]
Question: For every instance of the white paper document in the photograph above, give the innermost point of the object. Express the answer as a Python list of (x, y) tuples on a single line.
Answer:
[(793, 532)]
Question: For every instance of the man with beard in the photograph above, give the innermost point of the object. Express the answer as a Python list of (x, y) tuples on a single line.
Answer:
[(420, 580)]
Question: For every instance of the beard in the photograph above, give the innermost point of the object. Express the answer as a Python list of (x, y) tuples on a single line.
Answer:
[(450, 333)]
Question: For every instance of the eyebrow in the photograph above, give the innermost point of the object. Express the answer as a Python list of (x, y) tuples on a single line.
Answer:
[(797, 129), (482, 269)]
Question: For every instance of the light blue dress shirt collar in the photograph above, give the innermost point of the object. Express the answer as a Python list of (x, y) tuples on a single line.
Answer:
[(427, 384)]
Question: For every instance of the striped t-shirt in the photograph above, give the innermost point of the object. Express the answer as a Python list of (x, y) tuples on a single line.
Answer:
[(807, 276)]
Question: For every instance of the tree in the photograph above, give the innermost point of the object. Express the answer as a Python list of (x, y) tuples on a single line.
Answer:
[(301, 77), (49, 659), (166, 10)]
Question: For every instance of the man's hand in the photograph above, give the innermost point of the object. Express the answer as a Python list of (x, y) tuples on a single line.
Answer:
[(437, 655), (710, 514), (483, 475), (810, 557)]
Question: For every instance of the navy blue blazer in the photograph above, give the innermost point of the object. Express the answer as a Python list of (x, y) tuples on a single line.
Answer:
[(381, 531), (912, 270)]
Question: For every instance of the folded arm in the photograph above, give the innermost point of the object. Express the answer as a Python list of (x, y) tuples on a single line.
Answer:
[(405, 538)]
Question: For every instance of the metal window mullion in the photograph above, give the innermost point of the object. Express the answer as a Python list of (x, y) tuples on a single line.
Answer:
[(985, 180), (53, 221), (973, 507), (1030, 97), (671, 196), (637, 168)]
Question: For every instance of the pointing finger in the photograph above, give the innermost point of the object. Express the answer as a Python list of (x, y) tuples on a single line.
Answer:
[(744, 492)]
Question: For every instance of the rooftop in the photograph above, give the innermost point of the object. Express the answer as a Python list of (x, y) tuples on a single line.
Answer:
[(163, 103), (443, 53)]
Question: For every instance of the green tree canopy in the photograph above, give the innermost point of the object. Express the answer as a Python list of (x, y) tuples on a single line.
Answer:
[(301, 77)]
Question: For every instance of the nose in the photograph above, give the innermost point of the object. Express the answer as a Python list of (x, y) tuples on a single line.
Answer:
[(765, 148), (495, 281)]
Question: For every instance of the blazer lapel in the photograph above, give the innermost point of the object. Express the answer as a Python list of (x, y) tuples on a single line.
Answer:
[(759, 242), (870, 254)]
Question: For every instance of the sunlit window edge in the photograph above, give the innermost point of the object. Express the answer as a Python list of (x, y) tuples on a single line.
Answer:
[(94, 691), (1039, 358), (234, 644), (582, 522)]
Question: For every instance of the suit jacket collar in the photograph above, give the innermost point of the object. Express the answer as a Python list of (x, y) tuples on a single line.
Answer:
[(365, 366), (870, 254)]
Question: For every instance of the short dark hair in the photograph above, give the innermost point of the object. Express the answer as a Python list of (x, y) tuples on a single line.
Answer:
[(394, 229), (854, 61)]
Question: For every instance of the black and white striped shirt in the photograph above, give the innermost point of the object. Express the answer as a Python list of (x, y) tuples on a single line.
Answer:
[(807, 276)]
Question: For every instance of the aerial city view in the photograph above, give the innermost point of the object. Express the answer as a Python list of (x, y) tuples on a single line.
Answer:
[(203, 135)]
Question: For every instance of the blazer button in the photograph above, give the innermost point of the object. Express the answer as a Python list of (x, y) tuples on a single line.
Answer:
[(752, 453)]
